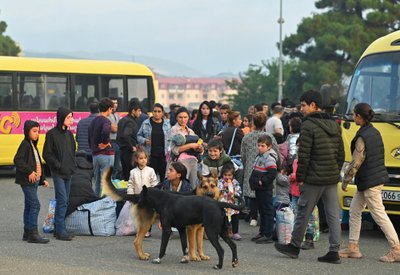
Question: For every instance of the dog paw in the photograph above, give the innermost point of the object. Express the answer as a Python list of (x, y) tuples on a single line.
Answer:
[(156, 261), (204, 257), (185, 259), (235, 263), (195, 258), (144, 257)]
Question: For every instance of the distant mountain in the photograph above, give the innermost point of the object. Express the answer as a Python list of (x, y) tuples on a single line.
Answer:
[(160, 66)]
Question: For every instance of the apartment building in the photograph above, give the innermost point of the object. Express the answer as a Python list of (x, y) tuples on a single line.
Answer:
[(190, 92)]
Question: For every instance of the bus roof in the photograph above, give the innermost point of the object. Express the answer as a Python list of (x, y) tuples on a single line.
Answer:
[(387, 43), (81, 66)]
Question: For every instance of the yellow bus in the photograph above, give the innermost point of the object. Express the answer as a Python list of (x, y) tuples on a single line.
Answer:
[(34, 88), (376, 81)]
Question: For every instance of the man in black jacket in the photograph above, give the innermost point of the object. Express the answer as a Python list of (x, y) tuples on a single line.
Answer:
[(320, 158), (127, 136), (59, 153)]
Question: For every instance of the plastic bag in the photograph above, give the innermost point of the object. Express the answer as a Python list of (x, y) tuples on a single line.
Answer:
[(284, 224), (125, 224), (48, 225)]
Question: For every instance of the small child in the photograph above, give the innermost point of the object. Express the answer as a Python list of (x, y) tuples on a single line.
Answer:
[(141, 175), (230, 190), (261, 180), (30, 175), (215, 159)]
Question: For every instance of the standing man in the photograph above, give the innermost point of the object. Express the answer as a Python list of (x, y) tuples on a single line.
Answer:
[(59, 154), (320, 158), (274, 123), (83, 129), (127, 136), (100, 142), (115, 118)]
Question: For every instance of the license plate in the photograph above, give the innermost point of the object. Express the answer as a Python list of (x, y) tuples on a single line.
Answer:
[(390, 195)]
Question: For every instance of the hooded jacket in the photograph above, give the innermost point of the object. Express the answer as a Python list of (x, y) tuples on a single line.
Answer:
[(24, 159), (81, 184), (59, 148), (211, 165), (321, 153)]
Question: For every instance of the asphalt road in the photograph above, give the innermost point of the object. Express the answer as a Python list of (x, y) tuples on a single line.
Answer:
[(115, 255)]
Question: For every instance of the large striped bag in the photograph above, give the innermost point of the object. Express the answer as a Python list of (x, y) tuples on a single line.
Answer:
[(96, 219)]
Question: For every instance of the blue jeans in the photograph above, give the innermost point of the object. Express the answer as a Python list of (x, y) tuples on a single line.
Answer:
[(100, 164), (266, 209), (117, 172), (62, 187), (31, 206)]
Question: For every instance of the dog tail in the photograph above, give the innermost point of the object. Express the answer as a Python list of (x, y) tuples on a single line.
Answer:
[(233, 206), (110, 190)]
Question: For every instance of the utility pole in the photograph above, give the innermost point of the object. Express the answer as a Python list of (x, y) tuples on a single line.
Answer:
[(280, 81)]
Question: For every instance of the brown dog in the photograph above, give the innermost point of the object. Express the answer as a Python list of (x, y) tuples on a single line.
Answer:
[(208, 186)]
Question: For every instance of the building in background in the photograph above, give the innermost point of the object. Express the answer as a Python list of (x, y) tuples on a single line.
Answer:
[(190, 92)]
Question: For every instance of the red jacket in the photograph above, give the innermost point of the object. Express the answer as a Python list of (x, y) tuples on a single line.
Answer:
[(294, 187)]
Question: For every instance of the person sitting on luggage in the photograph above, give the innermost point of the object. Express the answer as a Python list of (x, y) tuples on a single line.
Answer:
[(81, 183)]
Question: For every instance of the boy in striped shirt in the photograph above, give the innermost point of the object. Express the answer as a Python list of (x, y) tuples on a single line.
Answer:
[(261, 180)]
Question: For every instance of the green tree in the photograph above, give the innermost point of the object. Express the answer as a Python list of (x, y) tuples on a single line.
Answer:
[(260, 84), (329, 44), (7, 46)]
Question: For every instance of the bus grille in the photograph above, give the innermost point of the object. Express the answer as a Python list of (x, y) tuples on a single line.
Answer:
[(394, 176)]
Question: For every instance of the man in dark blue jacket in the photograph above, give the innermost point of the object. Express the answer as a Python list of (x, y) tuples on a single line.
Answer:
[(83, 129)]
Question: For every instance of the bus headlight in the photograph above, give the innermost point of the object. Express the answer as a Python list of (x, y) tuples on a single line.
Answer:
[(347, 201)]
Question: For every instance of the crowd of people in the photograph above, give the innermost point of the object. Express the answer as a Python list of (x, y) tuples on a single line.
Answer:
[(277, 156)]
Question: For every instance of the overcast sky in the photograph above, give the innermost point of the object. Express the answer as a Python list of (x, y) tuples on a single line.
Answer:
[(212, 36)]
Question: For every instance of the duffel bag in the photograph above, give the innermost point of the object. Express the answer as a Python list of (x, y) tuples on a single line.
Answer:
[(94, 219)]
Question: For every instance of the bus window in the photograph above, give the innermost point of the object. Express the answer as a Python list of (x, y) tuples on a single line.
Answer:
[(5, 91), (86, 91), (56, 92), (42, 91), (113, 87), (138, 90)]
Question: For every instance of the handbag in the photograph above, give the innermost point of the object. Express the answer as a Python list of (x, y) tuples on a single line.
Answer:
[(236, 159)]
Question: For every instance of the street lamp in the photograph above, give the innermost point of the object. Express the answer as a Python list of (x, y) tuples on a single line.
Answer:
[(280, 81)]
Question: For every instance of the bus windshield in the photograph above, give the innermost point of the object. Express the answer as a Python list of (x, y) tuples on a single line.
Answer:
[(376, 82)]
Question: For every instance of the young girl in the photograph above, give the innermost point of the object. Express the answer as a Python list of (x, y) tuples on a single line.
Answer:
[(30, 175), (230, 190), (216, 158), (141, 175), (247, 124), (176, 179)]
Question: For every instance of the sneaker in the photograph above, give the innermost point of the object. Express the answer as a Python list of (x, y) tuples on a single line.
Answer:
[(288, 250), (307, 245), (264, 240), (253, 223), (330, 257), (148, 234), (257, 237), (392, 256), (237, 237)]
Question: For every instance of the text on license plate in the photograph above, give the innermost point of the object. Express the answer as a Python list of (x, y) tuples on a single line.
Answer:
[(390, 195)]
